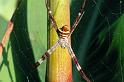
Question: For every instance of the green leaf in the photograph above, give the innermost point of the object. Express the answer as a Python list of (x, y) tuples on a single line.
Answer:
[(7, 73), (27, 43)]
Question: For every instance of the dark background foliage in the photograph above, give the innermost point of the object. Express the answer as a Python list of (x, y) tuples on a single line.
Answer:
[(95, 40)]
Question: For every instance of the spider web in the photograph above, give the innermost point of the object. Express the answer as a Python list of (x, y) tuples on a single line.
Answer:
[(91, 42), (94, 40)]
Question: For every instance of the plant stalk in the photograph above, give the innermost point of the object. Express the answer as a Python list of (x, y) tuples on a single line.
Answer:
[(59, 63)]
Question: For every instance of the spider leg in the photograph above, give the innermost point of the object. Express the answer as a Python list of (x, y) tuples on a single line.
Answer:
[(45, 55), (51, 16), (82, 73), (78, 18)]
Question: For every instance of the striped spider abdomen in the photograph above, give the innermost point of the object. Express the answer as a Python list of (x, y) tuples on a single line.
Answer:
[(63, 34)]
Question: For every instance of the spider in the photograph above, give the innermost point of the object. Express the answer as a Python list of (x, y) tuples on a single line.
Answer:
[(64, 33)]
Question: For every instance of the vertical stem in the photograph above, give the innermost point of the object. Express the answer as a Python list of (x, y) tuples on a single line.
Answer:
[(59, 63)]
